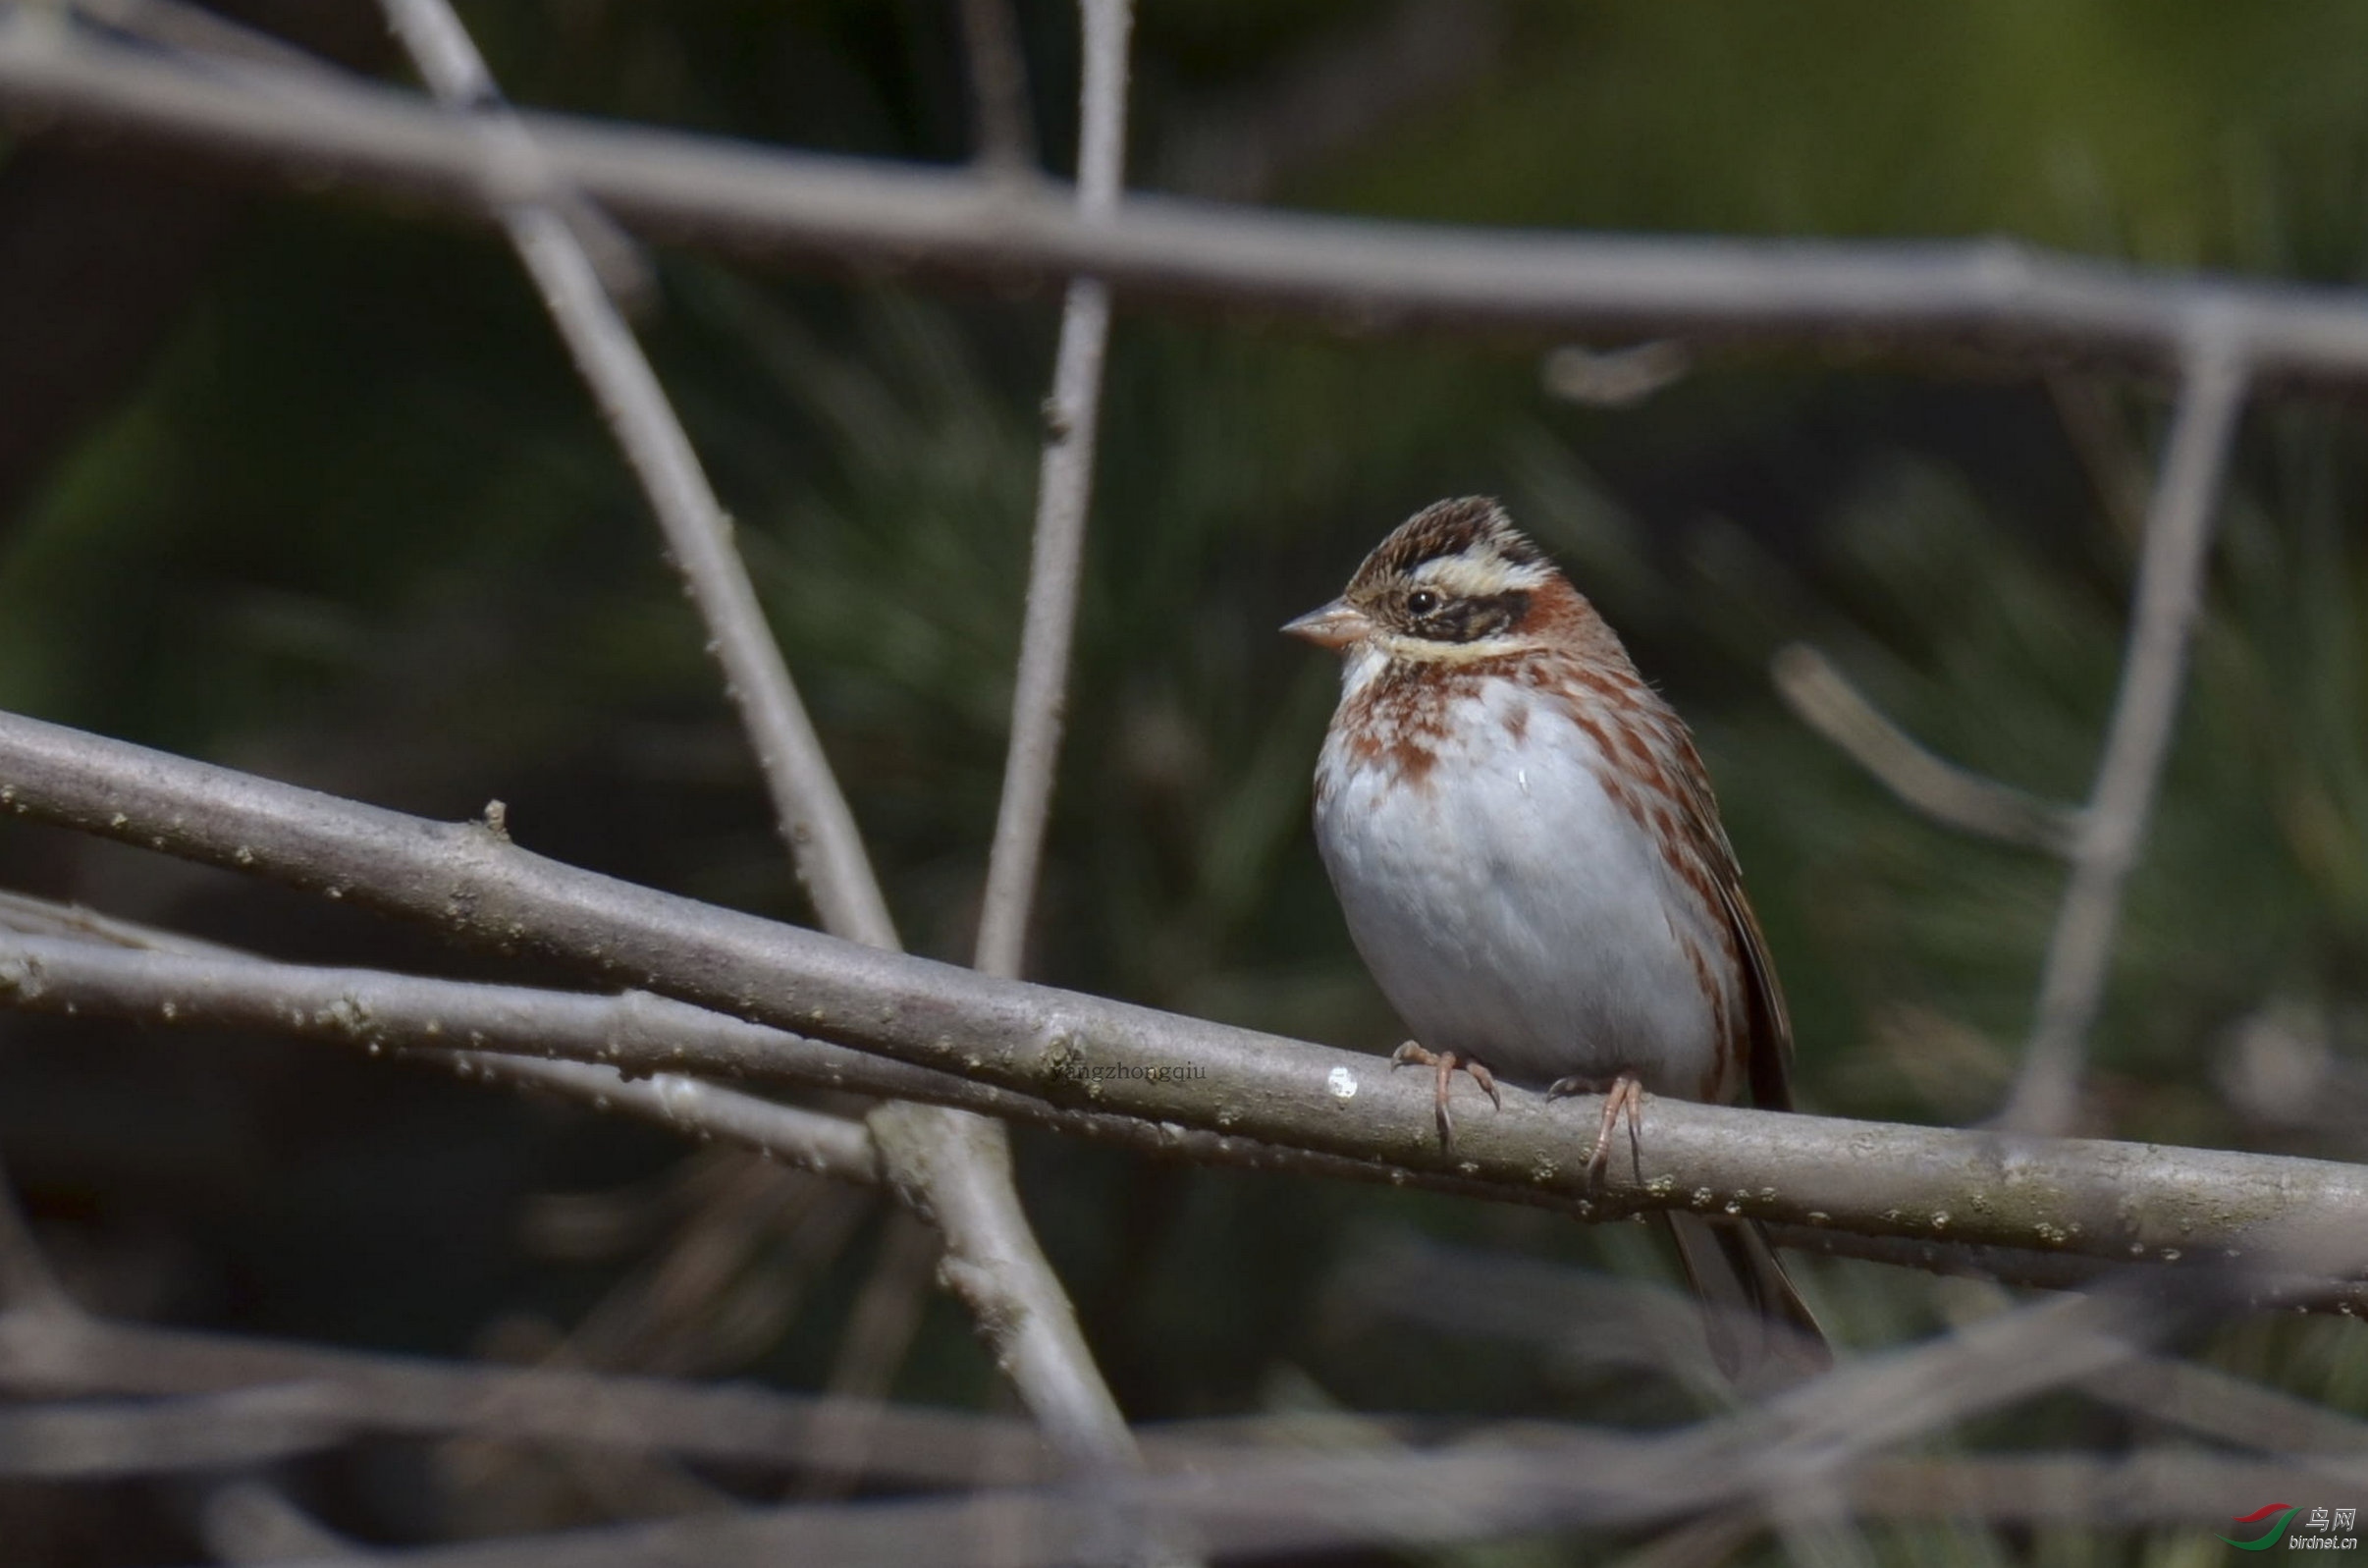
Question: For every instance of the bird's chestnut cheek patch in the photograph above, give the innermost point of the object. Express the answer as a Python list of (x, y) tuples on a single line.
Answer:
[(1469, 619)]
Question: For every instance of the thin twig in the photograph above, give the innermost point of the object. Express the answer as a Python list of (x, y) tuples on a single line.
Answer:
[(825, 1145), (192, 28), (1828, 702), (2116, 468), (90, 1439), (47, 1356), (879, 1338), (249, 1522), (1064, 496), (1002, 131), (2169, 591), (27, 1282), (1571, 1313), (1369, 276)]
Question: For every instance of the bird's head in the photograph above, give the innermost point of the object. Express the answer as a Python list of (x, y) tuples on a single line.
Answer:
[(1453, 583)]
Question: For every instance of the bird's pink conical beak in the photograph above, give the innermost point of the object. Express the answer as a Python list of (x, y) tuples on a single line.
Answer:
[(1335, 625)]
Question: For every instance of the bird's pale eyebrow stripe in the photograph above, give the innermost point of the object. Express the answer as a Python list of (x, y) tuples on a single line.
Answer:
[(1465, 576)]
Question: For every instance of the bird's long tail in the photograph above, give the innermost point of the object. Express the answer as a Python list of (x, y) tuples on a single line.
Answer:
[(1761, 1333)]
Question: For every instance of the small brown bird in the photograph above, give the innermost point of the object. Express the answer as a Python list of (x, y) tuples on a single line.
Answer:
[(1530, 857)]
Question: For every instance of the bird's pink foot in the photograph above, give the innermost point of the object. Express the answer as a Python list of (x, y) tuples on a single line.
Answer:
[(1624, 1094), (1445, 1063)]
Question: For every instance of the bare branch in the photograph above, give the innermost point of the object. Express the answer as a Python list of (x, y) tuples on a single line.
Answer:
[(521, 177), (27, 1282), (1371, 276), (89, 1440), (2052, 1270), (637, 1054), (829, 1146), (954, 1168), (1345, 1504), (1824, 699), (1575, 1315), (878, 1341), (1065, 495), (185, 25), (1003, 134), (2226, 1409), (293, 1398), (509, 1033), (812, 813), (250, 1522), (1615, 378), (2169, 591), (30, 916), (1832, 1432), (2120, 1202), (323, 1396)]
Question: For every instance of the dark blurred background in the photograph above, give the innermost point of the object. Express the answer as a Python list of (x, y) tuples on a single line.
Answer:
[(304, 485)]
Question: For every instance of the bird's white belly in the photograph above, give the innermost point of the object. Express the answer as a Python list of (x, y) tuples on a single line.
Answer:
[(1511, 911)]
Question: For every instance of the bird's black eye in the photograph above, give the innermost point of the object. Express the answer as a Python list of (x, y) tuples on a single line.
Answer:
[(1422, 602)]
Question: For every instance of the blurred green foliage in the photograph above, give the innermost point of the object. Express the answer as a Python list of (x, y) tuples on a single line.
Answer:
[(358, 527)]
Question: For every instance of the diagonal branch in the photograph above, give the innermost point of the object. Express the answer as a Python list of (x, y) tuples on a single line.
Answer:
[(2137, 740), (812, 813), (953, 1168), (1828, 702), (810, 1140), (2095, 1199), (1064, 493)]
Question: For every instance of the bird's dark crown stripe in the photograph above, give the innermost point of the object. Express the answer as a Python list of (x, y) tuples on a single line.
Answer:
[(1452, 528)]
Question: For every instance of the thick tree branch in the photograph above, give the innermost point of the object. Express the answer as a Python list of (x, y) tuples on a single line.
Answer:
[(2097, 1199), (634, 1038), (657, 1059), (1367, 275)]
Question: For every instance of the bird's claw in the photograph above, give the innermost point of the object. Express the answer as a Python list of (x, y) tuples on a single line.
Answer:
[(1623, 1095), (1444, 1063)]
